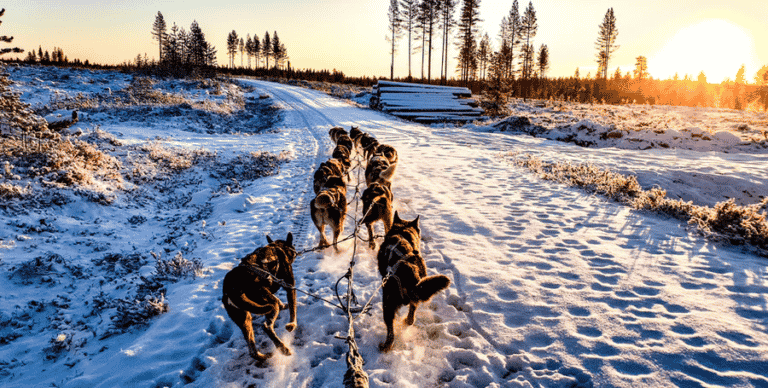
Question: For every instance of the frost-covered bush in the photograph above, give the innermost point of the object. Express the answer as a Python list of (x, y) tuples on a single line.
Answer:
[(16, 117), (726, 220), (250, 166), (10, 191), (120, 264), (57, 345), (42, 269), (137, 312), (177, 268)]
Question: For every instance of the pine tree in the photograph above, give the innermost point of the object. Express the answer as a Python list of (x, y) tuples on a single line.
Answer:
[(241, 47), (543, 60), (249, 49), (606, 42), (421, 26), (641, 68), (232, 41), (409, 13), (276, 48), (266, 48), (528, 27), (158, 33), (761, 80), (484, 55), (468, 30), (447, 11), (172, 49), (395, 28), (256, 50), (429, 10), (509, 33), (200, 51)]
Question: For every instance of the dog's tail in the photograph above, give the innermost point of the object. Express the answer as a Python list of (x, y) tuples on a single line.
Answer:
[(324, 200), (431, 285), (387, 174)]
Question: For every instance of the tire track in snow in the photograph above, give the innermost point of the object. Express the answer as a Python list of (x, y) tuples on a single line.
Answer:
[(301, 181)]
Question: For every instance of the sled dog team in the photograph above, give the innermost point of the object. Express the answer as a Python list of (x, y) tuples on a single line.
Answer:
[(250, 287)]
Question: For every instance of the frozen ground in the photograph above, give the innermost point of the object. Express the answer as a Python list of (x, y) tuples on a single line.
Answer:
[(551, 287)]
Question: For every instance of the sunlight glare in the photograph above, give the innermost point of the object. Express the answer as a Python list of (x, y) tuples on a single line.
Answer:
[(716, 46)]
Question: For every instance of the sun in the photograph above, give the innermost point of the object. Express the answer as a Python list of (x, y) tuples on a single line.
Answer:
[(717, 47)]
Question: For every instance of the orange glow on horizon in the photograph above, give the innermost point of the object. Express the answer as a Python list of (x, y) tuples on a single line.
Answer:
[(717, 47)]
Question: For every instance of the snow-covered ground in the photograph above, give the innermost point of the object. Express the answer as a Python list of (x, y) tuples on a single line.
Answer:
[(551, 287)]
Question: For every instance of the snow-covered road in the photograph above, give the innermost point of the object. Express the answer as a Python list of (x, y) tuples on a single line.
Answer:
[(551, 287), (601, 292)]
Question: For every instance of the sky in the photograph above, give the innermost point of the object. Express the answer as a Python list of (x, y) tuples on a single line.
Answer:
[(683, 36)]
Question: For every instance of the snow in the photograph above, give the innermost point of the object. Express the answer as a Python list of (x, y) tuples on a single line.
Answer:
[(551, 287)]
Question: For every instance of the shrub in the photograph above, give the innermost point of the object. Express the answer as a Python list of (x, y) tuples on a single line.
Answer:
[(177, 268), (137, 312), (726, 221)]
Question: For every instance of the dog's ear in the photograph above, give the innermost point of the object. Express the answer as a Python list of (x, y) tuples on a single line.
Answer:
[(415, 223), (269, 239), (289, 239), (397, 219)]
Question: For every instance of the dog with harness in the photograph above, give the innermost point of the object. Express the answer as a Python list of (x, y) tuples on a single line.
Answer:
[(250, 289), (405, 275), (329, 207)]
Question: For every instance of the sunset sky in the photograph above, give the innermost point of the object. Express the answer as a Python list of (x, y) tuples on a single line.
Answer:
[(682, 36)]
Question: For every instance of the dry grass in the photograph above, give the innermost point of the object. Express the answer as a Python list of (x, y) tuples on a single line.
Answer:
[(155, 160), (141, 92), (725, 221)]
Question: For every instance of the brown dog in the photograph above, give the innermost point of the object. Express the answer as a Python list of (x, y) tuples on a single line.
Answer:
[(368, 144), (409, 283), (379, 170), (342, 153), (329, 207), (346, 141), (335, 132), (386, 151), (326, 170), (250, 289), (377, 206), (354, 134)]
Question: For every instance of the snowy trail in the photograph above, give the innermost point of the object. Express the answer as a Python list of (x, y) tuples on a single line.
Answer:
[(551, 287), (550, 271)]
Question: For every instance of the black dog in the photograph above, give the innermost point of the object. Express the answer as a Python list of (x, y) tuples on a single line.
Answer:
[(250, 288), (409, 283)]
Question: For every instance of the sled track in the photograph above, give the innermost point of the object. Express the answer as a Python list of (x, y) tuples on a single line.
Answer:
[(301, 182)]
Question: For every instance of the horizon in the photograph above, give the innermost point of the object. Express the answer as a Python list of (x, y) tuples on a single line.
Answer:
[(690, 37)]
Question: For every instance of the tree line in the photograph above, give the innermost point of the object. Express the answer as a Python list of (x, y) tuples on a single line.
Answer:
[(181, 52), (517, 68), (424, 21), (260, 50)]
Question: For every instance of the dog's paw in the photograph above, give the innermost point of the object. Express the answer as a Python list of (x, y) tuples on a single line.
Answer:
[(260, 357), (408, 321), (285, 351), (386, 346), (290, 326)]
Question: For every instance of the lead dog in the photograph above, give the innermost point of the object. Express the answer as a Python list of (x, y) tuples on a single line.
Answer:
[(377, 206), (409, 283), (250, 289), (329, 207), (354, 134), (335, 132)]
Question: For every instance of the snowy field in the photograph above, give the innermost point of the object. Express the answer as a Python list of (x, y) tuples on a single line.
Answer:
[(551, 287)]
